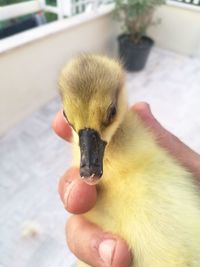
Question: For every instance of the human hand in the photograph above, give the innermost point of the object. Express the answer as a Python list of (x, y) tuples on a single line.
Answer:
[(87, 241), (181, 152)]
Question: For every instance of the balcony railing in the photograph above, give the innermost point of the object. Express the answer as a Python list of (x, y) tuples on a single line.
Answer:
[(38, 11), (190, 2), (62, 8)]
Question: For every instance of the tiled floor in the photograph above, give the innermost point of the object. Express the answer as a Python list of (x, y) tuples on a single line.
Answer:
[(32, 158)]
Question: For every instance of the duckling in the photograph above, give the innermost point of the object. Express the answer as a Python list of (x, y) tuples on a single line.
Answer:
[(144, 195)]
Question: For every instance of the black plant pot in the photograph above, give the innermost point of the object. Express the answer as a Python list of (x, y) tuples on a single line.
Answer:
[(134, 55)]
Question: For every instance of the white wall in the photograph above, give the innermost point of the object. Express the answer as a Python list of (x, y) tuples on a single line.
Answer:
[(29, 73), (179, 30)]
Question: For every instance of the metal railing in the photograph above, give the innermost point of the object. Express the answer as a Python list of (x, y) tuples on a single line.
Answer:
[(68, 8), (14, 19), (62, 8), (190, 2), (187, 4)]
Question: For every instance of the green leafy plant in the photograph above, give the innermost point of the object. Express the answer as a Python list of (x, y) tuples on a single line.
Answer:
[(136, 16)]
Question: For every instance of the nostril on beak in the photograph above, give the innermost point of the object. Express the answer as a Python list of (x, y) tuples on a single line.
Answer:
[(95, 161), (85, 171)]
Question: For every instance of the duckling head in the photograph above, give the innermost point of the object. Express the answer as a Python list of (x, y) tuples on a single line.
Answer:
[(94, 104)]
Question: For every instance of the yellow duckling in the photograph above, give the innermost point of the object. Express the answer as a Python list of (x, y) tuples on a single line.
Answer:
[(144, 195)]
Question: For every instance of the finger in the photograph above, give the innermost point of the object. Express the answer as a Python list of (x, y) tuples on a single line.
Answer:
[(77, 196), (171, 143), (61, 127), (91, 245), (144, 111)]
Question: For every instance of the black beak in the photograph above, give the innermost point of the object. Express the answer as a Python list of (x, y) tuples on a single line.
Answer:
[(92, 152)]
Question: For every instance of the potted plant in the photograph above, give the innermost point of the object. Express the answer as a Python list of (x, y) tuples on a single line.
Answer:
[(136, 16)]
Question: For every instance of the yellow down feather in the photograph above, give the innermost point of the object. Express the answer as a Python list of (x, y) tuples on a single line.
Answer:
[(144, 196)]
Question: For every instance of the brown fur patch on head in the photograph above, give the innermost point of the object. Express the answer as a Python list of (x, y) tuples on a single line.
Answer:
[(90, 75)]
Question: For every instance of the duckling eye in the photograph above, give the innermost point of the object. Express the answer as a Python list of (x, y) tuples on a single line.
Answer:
[(111, 113)]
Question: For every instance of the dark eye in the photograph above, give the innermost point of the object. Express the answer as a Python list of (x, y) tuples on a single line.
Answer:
[(111, 113)]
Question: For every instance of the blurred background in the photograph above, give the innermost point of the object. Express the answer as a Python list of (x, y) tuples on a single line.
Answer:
[(37, 38)]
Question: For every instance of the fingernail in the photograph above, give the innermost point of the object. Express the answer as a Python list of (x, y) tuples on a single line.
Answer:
[(68, 187), (106, 251)]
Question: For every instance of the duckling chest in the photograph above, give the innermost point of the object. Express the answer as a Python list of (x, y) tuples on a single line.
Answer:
[(119, 196)]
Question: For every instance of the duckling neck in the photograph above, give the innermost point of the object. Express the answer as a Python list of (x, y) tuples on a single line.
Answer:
[(129, 142), (124, 134)]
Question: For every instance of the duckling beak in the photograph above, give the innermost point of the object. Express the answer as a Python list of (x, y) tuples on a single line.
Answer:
[(92, 152)]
